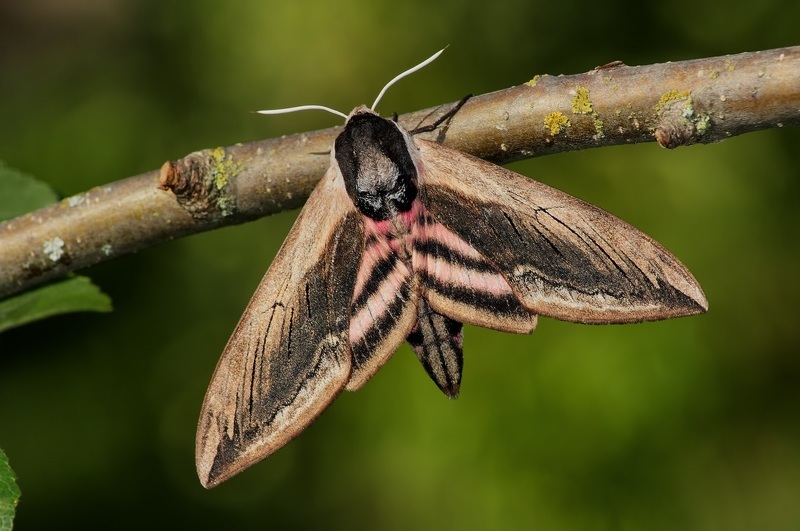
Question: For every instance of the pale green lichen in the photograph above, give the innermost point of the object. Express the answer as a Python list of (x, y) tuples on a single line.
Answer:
[(221, 170), (702, 124), (599, 127), (76, 200), (54, 249), (556, 122)]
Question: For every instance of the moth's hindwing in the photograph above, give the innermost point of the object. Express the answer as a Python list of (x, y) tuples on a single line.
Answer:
[(289, 356), (384, 306), (562, 257), (461, 282)]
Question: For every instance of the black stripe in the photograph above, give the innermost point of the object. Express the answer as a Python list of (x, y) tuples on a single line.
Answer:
[(584, 236), (370, 240), (504, 305), (438, 249), (364, 347), (380, 271), (415, 337)]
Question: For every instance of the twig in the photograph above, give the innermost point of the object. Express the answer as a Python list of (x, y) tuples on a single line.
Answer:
[(700, 101)]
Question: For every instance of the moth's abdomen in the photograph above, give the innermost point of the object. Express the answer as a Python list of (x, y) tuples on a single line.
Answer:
[(437, 341)]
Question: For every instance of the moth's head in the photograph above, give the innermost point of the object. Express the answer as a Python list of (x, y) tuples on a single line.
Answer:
[(374, 157)]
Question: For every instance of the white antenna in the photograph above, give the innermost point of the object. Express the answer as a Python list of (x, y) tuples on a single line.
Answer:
[(397, 78), (303, 108)]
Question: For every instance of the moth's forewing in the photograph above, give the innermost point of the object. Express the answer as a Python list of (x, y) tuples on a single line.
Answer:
[(289, 356), (562, 257)]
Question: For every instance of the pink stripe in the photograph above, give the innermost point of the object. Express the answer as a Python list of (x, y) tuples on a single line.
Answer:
[(454, 274), (375, 253), (437, 231)]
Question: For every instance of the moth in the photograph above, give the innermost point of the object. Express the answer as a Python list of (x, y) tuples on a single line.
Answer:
[(404, 239)]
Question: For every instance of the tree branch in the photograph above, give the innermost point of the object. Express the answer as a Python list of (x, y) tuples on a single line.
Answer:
[(675, 104)]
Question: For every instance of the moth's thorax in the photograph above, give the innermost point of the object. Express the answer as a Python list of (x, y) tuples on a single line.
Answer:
[(378, 171), (398, 231)]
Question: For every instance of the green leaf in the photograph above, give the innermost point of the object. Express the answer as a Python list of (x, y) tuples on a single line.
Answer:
[(75, 294), (20, 193), (9, 494)]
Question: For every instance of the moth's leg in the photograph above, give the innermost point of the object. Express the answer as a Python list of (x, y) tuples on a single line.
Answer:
[(443, 118)]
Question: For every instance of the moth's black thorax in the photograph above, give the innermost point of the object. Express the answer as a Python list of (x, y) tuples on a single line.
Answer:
[(377, 168)]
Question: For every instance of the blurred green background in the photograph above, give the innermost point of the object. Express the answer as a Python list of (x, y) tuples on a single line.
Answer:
[(685, 424)]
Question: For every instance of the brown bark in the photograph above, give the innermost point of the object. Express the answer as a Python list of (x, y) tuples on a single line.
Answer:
[(675, 104)]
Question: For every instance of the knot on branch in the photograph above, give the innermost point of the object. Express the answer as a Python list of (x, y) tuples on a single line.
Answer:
[(202, 183), (679, 124)]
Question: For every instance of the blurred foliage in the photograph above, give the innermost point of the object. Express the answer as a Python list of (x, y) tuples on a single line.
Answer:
[(20, 193), (73, 294), (9, 494), (683, 424)]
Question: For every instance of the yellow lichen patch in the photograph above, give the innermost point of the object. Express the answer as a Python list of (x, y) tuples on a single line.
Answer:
[(536, 78), (713, 74), (672, 95), (556, 122), (581, 104)]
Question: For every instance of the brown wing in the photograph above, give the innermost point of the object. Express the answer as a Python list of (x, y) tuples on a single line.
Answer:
[(562, 257), (290, 355)]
